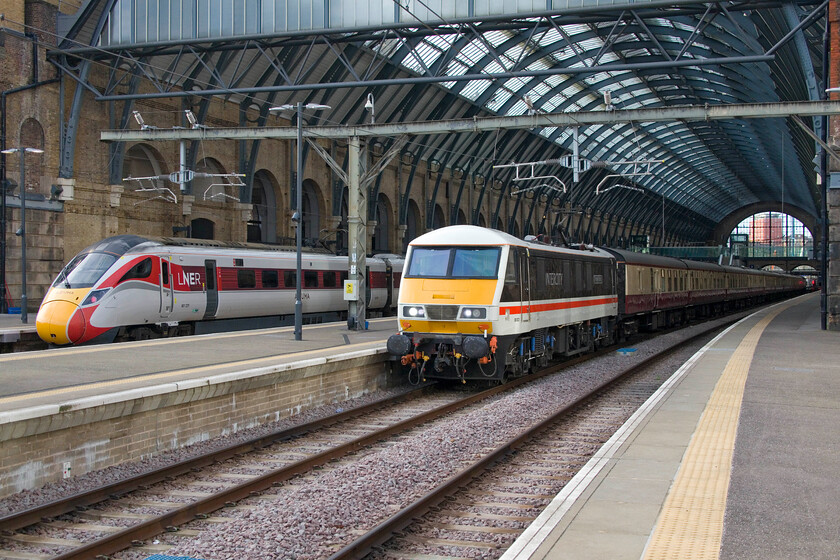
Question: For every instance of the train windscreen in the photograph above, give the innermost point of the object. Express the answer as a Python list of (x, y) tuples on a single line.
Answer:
[(84, 270), (454, 262)]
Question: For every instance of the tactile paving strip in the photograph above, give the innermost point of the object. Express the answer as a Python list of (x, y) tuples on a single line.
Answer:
[(690, 525)]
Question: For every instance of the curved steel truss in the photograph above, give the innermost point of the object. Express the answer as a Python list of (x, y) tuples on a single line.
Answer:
[(647, 55)]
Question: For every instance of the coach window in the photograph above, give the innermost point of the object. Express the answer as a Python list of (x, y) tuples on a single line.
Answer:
[(246, 278), (310, 278), (269, 279), (289, 279), (329, 279)]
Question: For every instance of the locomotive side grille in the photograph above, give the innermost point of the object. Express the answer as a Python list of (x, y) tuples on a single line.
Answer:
[(442, 312)]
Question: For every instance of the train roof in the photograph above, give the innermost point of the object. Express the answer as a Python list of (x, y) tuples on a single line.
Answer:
[(466, 235), (475, 235), (121, 244)]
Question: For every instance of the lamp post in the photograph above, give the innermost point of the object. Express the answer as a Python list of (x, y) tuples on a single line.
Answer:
[(24, 318), (298, 215)]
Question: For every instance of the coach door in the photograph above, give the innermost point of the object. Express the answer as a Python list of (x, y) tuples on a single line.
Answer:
[(210, 289), (166, 292)]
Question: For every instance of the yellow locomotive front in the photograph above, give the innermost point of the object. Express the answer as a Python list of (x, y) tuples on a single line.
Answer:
[(448, 307)]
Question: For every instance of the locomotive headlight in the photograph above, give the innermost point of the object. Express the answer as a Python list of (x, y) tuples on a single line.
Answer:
[(414, 311), (95, 296), (473, 313)]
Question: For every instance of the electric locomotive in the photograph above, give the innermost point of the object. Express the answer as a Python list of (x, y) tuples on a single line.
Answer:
[(478, 303), (130, 287)]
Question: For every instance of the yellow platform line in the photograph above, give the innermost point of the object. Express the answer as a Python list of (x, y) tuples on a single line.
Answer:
[(690, 525)]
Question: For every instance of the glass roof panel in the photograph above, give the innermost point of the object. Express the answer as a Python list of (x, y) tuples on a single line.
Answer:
[(475, 88)]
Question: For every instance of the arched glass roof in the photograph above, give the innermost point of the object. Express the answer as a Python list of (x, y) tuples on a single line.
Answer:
[(455, 66)]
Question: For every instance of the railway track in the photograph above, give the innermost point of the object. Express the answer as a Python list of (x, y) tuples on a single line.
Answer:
[(146, 512), (117, 516), (482, 510)]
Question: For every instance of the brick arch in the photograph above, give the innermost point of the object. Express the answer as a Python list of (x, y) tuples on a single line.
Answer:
[(727, 224)]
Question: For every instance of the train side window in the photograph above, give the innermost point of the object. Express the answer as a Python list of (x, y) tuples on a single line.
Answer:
[(246, 278), (139, 270), (164, 271), (289, 278), (329, 279), (511, 273), (310, 278), (270, 279), (343, 276)]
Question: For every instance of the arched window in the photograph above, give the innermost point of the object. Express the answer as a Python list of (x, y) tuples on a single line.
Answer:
[(381, 232), (439, 220), (771, 235), (462, 217), (412, 224), (262, 227), (311, 219)]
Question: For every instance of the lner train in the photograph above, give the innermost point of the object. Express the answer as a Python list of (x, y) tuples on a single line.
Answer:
[(130, 287), (477, 303)]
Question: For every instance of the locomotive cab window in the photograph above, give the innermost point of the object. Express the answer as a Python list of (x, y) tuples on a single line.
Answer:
[(84, 270), (454, 262)]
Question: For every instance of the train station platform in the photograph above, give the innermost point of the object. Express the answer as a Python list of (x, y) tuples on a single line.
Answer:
[(85, 408), (13, 331), (735, 457)]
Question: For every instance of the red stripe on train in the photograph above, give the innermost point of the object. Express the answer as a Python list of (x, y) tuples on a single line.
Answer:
[(519, 309)]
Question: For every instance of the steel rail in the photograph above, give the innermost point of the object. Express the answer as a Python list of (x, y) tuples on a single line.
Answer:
[(117, 489), (228, 497), (399, 521)]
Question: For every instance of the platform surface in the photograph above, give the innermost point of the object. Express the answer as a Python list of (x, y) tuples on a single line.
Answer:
[(11, 327), (54, 376), (736, 457)]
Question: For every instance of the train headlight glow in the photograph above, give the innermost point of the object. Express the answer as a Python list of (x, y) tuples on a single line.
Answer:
[(95, 296), (473, 313), (414, 311)]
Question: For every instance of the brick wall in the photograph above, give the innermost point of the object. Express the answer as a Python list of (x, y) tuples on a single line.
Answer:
[(33, 451), (833, 280)]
